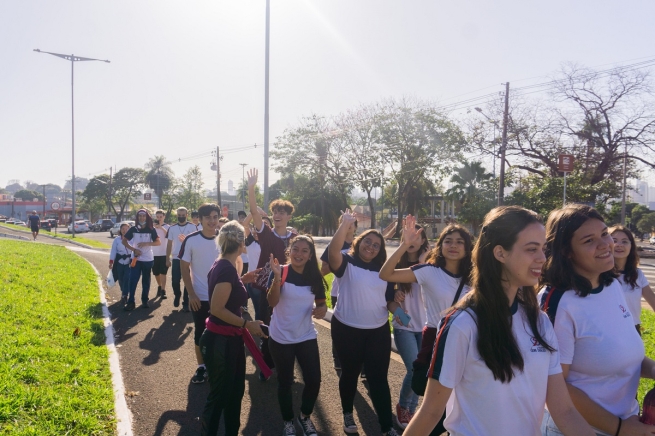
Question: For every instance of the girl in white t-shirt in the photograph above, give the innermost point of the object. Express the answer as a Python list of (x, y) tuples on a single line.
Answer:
[(634, 282), (495, 363), (601, 354), (446, 271), (291, 332)]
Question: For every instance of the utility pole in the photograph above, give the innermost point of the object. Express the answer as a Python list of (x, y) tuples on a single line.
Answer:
[(625, 180), (266, 69), (109, 193), (44, 198), (243, 184), (218, 177), (503, 147)]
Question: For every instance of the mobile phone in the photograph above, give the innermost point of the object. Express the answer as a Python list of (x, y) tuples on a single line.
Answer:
[(264, 328), (404, 318), (156, 221)]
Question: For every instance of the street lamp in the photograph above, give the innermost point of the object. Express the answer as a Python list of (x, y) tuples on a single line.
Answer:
[(266, 71), (495, 123), (72, 58)]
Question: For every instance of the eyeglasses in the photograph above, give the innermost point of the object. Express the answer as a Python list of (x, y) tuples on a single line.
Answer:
[(371, 244)]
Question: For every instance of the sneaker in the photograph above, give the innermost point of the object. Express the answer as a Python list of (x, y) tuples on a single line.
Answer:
[(200, 376), (289, 429), (163, 295), (307, 426), (185, 307), (128, 307), (391, 432), (144, 305), (349, 425), (176, 301), (123, 300), (158, 291), (402, 416)]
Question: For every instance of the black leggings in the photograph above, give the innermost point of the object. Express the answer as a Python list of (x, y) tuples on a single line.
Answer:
[(284, 356), (225, 358), (372, 348)]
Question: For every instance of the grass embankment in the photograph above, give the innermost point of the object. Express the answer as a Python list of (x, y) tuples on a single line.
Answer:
[(648, 335), (54, 373), (60, 235)]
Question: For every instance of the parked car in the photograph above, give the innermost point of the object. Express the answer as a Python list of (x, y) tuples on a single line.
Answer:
[(45, 225), (116, 230), (53, 223), (102, 225), (19, 223), (651, 241), (80, 227), (10, 221)]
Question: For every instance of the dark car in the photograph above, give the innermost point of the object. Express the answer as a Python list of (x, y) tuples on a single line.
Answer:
[(45, 225), (102, 225)]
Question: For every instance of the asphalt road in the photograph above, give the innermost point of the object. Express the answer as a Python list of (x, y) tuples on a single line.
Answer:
[(157, 360)]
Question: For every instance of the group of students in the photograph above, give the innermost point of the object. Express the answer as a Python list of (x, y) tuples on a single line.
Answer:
[(531, 330)]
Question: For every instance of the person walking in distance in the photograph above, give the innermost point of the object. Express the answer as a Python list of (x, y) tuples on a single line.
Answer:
[(176, 234), (272, 241), (160, 268), (34, 223), (198, 253), (140, 239)]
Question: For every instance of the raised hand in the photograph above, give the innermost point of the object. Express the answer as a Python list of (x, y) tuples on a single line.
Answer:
[(347, 217), (252, 177), (411, 235), (275, 267)]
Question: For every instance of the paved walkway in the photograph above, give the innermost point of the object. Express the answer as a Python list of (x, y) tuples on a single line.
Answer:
[(157, 361)]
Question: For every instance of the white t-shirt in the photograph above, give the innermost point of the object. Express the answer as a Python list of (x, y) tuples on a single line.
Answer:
[(415, 308), (135, 236), (480, 405), (334, 292), (633, 295), (597, 337), (200, 252), (438, 287), (160, 250), (363, 295), (174, 233), (254, 250), (291, 322)]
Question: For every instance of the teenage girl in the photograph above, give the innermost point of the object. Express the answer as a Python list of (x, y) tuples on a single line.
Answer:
[(408, 296), (291, 332), (601, 354), (360, 324), (119, 263), (495, 361), (635, 284), (443, 280)]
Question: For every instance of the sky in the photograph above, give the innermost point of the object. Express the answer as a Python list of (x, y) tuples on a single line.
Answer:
[(187, 77)]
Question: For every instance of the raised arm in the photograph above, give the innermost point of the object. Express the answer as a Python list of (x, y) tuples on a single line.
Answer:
[(273, 296), (649, 296), (411, 236), (334, 252), (431, 411), (246, 225), (566, 417), (252, 199)]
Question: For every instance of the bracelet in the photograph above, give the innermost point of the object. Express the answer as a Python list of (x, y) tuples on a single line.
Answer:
[(618, 429), (245, 321)]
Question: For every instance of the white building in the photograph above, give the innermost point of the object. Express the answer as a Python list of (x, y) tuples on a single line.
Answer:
[(230, 187)]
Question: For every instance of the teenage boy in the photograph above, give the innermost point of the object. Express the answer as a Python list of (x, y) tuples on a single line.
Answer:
[(176, 234), (159, 268), (197, 255), (272, 241), (195, 219)]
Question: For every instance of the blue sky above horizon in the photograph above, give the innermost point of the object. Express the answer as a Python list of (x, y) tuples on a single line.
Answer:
[(186, 77)]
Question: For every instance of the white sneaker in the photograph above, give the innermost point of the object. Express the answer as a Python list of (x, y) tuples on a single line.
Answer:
[(349, 425), (307, 426), (289, 429)]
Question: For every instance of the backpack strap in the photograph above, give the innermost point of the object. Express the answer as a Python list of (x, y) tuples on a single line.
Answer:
[(285, 273), (550, 301)]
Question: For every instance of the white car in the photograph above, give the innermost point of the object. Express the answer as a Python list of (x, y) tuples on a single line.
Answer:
[(19, 223), (116, 230), (80, 227), (651, 241)]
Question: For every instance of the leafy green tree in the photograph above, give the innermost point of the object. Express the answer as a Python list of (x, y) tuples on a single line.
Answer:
[(646, 223), (159, 175), (475, 189), (190, 192), (28, 195), (242, 193), (637, 212), (126, 184)]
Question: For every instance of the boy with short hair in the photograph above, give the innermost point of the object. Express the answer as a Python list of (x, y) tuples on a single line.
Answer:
[(176, 234)]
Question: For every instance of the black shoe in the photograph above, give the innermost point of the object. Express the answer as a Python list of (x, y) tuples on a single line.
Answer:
[(124, 300), (176, 301), (185, 307), (129, 307), (200, 376), (144, 305), (163, 295), (158, 291)]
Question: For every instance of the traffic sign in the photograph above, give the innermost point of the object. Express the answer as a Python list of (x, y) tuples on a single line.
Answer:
[(54, 206), (147, 196), (565, 163), (226, 211)]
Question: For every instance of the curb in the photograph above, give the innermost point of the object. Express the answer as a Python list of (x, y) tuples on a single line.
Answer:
[(7, 235), (122, 412), (328, 318)]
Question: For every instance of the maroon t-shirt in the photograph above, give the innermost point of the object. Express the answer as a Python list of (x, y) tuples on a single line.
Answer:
[(270, 242), (222, 271)]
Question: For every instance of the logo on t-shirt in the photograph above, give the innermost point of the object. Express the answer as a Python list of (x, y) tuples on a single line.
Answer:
[(536, 346), (626, 312)]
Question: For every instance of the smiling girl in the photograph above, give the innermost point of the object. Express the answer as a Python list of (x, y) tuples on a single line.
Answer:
[(292, 334), (433, 285), (601, 354), (635, 284)]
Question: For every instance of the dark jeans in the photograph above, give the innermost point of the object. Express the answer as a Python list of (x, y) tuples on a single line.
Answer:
[(176, 278), (140, 269), (199, 319), (225, 359), (122, 275), (256, 297), (369, 347), (284, 356)]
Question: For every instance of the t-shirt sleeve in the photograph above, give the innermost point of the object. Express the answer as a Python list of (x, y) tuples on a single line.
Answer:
[(130, 233), (565, 333), (642, 281), (185, 251), (325, 257), (249, 240), (169, 233), (390, 293), (154, 235), (342, 268), (419, 271), (450, 351)]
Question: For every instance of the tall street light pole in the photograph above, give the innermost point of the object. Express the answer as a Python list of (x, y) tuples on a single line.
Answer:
[(503, 148), (243, 184), (266, 73), (72, 58), (495, 123)]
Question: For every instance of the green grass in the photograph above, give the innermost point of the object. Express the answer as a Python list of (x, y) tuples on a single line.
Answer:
[(648, 335), (90, 242), (54, 373)]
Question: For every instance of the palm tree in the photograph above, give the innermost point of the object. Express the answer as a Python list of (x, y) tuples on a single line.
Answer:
[(473, 187), (159, 176)]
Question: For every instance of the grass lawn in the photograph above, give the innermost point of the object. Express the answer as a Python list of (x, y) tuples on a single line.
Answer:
[(648, 335), (61, 235), (54, 373)]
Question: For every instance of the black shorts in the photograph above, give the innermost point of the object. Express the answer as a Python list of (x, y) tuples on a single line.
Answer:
[(199, 319), (35, 229), (159, 268)]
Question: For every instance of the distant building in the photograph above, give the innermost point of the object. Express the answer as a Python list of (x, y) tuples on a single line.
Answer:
[(640, 193), (230, 187)]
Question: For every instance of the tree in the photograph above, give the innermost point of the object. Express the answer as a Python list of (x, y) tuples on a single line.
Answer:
[(242, 193), (159, 176), (647, 223), (475, 189), (28, 195), (14, 187), (190, 194)]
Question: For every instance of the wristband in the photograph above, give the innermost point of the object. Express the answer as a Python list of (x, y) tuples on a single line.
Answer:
[(618, 429), (245, 321)]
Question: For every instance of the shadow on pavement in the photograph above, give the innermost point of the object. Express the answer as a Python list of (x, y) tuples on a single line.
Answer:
[(169, 336), (188, 420)]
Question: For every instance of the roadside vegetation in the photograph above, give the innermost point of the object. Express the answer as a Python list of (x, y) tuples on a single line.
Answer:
[(81, 240)]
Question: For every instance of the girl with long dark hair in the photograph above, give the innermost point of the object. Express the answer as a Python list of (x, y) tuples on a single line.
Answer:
[(296, 292), (633, 281), (601, 354), (443, 280), (360, 324), (495, 361)]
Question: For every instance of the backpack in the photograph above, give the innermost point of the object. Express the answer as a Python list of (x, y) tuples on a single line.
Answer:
[(550, 301)]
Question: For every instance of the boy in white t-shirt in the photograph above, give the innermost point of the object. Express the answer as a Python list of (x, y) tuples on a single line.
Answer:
[(159, 268), (176, 234)]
